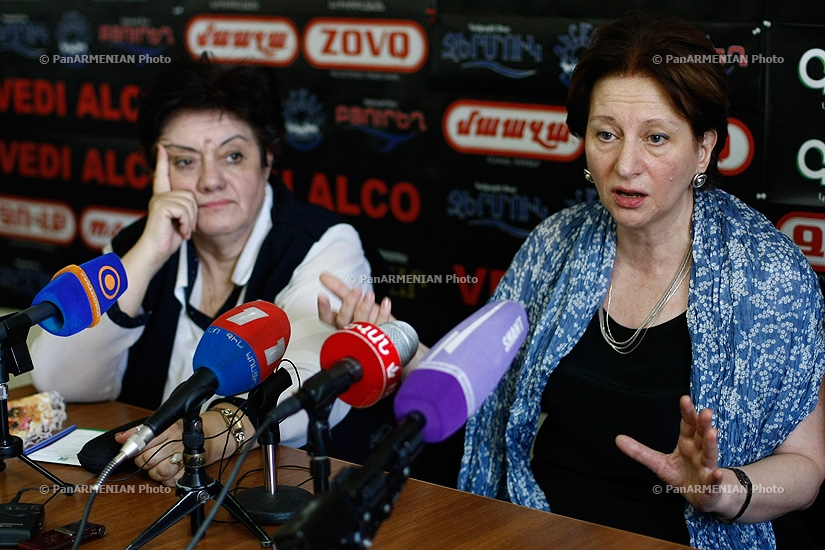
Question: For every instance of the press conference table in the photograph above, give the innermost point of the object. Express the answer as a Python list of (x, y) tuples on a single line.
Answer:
[(425, 516)]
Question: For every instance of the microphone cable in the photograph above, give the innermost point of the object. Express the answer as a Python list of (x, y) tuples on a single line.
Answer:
[(96, 489), (224, 458)]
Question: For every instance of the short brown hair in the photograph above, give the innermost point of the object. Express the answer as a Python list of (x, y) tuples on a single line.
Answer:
[(678, 55)]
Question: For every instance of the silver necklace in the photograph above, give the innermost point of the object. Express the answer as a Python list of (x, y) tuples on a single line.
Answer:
[(626, 346)]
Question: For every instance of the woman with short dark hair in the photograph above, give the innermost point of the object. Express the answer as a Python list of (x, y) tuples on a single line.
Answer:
[(221, 230), (669, 383)]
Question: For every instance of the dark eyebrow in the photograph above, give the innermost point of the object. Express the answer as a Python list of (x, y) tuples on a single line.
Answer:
[(191, 149), (236, 136), (175, 146)]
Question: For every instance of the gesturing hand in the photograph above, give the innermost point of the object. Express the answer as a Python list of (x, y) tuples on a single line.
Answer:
[(172, 217), (694, 462), (355, 305)]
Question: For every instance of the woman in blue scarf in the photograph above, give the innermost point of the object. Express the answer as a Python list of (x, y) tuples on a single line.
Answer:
[(670, 381)]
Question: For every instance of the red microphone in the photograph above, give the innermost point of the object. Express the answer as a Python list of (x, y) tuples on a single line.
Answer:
[(381, 351), (360, 363)]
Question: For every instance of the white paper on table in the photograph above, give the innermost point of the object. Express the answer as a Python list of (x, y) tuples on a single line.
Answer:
[(65, 449)]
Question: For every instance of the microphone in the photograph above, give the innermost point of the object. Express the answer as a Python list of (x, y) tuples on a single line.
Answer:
[(239, 350), (455, 377), (265, 396), (349, 514), (435, 400), (360, 364), (76, 297), (380, 351)]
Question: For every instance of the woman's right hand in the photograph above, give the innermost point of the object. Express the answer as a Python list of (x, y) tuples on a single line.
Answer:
[(172, 217), (173, 214), (162, 458)]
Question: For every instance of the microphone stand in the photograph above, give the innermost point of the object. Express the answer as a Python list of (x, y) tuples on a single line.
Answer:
[(269, 504), (317, 397), (15, 359), (318, 439), (195, 488)]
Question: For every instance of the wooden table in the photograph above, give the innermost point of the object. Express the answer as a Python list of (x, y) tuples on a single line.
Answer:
[(425, 516)]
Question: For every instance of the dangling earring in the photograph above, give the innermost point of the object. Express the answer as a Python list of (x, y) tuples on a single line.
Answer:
[(698, 180), (587, 176)]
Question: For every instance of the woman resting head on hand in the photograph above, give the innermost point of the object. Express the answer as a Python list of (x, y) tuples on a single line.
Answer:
[(221, 230)]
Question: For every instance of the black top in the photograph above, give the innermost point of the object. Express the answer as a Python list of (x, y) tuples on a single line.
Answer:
[(595, 394)]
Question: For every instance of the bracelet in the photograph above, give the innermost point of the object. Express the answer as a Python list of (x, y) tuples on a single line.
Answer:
[(746, 483), (241, 404), (233, 423)]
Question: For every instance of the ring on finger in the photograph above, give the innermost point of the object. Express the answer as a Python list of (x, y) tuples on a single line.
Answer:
[(177, 458)]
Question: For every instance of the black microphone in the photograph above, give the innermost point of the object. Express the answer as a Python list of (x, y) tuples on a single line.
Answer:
[(361, 498), (264, 397)]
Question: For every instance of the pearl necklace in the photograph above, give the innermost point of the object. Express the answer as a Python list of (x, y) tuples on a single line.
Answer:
[(635, 339)]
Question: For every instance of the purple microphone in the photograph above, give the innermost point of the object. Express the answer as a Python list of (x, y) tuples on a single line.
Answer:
[(462, 369)]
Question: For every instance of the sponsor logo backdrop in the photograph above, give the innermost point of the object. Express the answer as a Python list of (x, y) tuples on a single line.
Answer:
[(439, 135)]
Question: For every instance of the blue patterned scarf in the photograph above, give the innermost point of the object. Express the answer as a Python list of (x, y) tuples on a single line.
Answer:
[(755, 316)]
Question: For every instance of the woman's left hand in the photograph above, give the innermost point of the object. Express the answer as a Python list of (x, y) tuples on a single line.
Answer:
[(693, 465), (355, 305)]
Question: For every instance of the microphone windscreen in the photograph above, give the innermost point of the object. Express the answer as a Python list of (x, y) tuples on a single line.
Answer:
[(377, 352), (83, 294), (455, 377), (243, 346), (403, 336)]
